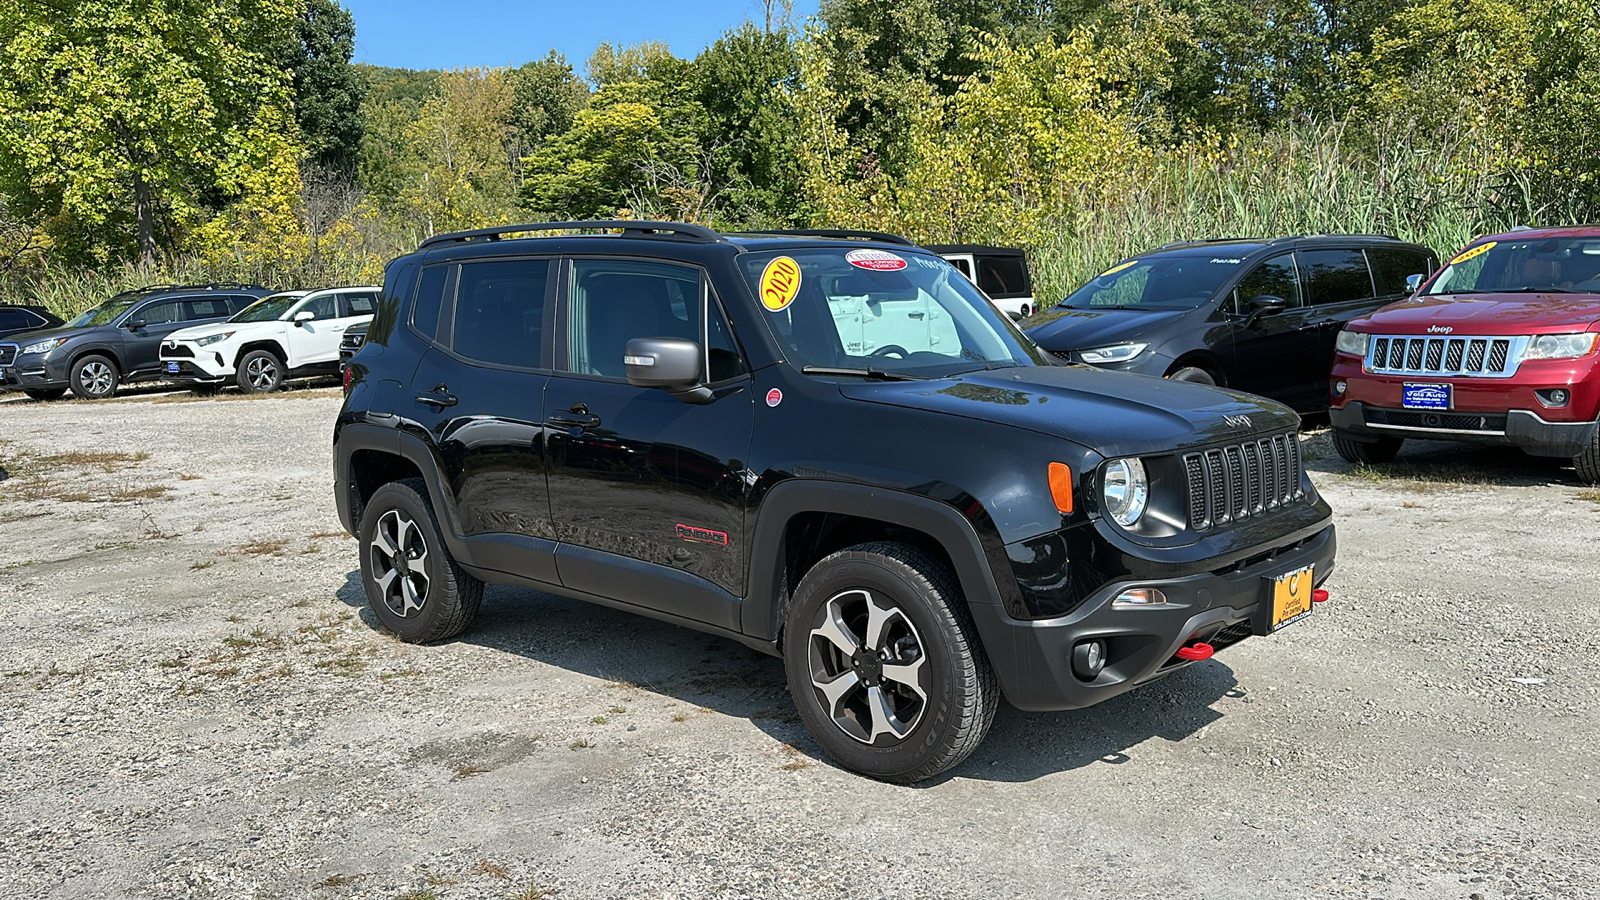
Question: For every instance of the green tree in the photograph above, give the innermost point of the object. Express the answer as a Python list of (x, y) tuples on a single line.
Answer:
[(545, 96), (327, 89), (745, 82), (141, 117)]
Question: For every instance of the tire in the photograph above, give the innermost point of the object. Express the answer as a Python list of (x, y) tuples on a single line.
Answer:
[(443, 605), (1193, 375), (1588, 462), (1366, 453), (1026, 310), (47, 395), (94, 377), (259, 372), (925, 624)]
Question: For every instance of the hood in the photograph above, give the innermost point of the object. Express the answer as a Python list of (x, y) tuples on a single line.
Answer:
[(1467, 314), (199, 331), (45, 334), (1113, 413), (1085, 329)]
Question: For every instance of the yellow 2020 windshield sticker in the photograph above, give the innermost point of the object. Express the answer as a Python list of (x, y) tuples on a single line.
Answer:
[(1473, 252), (780, 283), (1115, 269)]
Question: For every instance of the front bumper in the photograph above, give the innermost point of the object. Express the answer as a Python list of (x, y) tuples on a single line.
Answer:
[(36, 372), (1520, 428), (200, 364), (1033, 658)]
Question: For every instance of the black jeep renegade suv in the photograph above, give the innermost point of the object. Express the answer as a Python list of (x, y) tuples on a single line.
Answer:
[(686, 424)]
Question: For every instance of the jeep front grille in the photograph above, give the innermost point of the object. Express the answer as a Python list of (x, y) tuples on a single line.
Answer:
[(1446, 357), (1240, 481), (8, 354)]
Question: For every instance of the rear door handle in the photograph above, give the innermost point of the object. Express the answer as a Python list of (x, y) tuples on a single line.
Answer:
[(573, 420), (440, 397)]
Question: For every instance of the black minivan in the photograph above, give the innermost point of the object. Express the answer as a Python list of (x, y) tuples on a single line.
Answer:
[(1255, 315)]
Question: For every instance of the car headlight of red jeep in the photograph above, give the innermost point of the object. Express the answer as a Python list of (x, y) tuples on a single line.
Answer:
[(1559, 346)]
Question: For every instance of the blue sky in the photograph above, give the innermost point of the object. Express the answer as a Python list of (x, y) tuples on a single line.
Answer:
[(427, 34)]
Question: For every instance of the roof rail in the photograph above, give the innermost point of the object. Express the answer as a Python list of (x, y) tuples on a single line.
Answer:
[(629, 227), (882, 236), (1333, 236)]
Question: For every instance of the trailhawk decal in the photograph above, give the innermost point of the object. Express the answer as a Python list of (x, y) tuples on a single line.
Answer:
[(780, 283), (702, 535), (875, 260), (1473, 252)]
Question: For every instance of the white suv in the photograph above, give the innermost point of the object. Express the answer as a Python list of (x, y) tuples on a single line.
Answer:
[(290, 333)]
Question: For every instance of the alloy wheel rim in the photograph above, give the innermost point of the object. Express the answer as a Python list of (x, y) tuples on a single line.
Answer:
[(400, 563), (96, 378), (868, 667), (262, 373)]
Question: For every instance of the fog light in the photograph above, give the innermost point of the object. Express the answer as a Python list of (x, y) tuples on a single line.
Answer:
[(1088, 658), (1340, 386), (1554, 398), (1138, 598)]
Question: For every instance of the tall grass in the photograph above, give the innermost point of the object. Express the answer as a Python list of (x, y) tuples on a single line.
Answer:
[(1302, 180)]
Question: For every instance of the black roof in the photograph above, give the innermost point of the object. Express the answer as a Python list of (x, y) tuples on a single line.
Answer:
[(978, 249), (651, 231)]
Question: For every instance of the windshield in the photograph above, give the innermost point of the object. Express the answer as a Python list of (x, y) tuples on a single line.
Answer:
[(104, 313), (1159, 282), (268, 308), (1560, 265), (902, 314)]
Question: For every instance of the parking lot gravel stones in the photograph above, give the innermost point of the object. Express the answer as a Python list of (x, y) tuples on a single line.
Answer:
[(194, 703)]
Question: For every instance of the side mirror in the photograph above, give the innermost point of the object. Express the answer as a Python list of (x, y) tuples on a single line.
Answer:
[(133, 324), (302, 317), (672, 364), (1266, 305), (1413, 282)]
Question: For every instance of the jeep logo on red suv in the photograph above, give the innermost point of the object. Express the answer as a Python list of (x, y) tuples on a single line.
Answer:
[(1440, 329)]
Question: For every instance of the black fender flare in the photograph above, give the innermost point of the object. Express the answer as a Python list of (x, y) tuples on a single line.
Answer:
[(764, 606), (355, 437)]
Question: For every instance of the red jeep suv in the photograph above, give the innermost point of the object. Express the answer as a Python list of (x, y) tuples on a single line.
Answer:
[(1498, 347)]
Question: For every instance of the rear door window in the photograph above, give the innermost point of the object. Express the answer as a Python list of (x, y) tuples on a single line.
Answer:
[(209, 308), (500, 312), (1334, 276), (360, 304), (1274, 277), (16, 318), (1003, 276), (1391, 268)]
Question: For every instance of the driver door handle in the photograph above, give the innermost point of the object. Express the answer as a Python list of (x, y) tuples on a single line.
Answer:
[(439, 398), (573, 420)]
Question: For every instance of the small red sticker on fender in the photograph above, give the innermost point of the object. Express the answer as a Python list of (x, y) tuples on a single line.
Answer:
[(876, 260), (774, 397), (702, 535)]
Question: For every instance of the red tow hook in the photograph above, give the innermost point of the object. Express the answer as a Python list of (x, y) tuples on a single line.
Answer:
[(1196, 651), (1319, 596)]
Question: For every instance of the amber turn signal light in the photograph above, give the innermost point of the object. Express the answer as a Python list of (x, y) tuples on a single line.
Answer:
[(1061, 486)]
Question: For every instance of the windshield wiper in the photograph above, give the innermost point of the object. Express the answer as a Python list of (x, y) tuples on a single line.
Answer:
[(879, 374)]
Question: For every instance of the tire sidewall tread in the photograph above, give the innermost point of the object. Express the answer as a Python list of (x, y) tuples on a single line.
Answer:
[(454, 596), (965, 695), (75, 377)]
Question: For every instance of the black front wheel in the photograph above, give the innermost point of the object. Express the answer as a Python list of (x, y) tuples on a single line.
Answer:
[(1193, 375), (884, 663), (94, 377), (1588, 462), (260, 372)]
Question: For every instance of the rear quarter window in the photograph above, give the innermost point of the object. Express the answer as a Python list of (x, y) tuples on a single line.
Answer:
[(1003, 276), (430, 298)]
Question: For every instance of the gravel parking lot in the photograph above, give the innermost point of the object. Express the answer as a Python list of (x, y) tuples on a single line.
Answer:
[(194, 703)]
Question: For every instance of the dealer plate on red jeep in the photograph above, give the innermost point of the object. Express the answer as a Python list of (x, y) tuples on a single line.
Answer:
[(1291, 600)]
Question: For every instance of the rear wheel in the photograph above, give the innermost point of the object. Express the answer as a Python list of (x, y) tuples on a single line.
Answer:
[(1366, 453), (414, 587), (884, 663), (1588, 462), (259, 372), (94, 377), (1192, 374), (51, 394)]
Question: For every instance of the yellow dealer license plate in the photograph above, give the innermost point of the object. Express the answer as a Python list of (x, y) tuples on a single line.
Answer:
[(1291, 598)]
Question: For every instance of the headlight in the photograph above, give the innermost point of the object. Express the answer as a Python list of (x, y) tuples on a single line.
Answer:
[(1117, 354), (210, 339), (1126, 491), (43, 346), (1351, 342), (1559, 346)]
